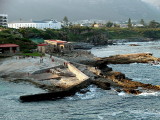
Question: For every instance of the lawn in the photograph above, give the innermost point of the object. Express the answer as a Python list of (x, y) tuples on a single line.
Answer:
[(32, 54)]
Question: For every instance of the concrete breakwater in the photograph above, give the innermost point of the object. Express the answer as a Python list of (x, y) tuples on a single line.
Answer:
[(54, 74), (66, 86)]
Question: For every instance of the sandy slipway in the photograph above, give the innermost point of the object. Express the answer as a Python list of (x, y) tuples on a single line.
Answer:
[(61, 80)]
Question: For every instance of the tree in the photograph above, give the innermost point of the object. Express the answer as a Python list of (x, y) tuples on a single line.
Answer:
[(109, 24), (116, 25), (153, 24), (129, 23), (65, 20), (142, 22)]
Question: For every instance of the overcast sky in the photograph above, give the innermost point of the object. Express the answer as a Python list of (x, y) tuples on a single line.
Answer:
[(57, 9), (153, 2)]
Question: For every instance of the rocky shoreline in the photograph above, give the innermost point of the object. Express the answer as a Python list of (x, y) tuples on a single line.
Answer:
[(82, 69)]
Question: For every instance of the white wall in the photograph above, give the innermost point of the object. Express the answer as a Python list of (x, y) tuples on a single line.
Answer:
[(35, 25), (3, 23), (79, 75)]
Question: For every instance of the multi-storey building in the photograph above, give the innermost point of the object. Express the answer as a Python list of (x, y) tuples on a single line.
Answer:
[(52, 24), (4, 20)]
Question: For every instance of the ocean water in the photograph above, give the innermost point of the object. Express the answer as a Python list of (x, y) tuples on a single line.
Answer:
[(97, 104)]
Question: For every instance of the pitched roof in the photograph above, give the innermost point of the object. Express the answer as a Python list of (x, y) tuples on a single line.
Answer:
[(58, 41), (8, 45), (42, 44)]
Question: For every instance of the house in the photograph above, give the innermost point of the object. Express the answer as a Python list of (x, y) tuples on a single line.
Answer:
[(58, 45), (42, 48), (138, 25), (55, 46), (98, 25), (86, 25), (9, 48)]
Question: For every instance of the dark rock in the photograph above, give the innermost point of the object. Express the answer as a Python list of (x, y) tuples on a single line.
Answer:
[(47, 96), (132, 91), (102, 83), (83, 91)]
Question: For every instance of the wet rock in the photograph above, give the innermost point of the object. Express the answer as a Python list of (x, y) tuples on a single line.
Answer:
[(118, 90), (127, 59), (132, 91), (83, 91), (158, 59), (102, 83)]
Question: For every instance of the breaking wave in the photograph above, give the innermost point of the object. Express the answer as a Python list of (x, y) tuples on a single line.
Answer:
[(150, 94), (90, 92)]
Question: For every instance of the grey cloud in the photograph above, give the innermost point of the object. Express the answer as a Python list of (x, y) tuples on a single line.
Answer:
[(76, 9), (153, 2)]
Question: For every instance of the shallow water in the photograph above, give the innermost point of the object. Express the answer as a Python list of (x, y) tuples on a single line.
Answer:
[(94, 105)]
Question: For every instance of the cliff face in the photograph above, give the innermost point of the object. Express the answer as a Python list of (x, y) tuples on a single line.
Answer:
[(89, 35), (98, 39)]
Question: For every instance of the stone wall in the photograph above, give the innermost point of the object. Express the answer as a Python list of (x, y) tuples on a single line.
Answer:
[(42, 49), (80, 76)]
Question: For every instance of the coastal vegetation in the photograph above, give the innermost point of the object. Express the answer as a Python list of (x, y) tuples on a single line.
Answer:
[(13, 36), (127, 33)]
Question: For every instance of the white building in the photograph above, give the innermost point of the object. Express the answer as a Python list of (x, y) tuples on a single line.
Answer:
[(3, 20), (123, 25), (52, 24), (138, 25)]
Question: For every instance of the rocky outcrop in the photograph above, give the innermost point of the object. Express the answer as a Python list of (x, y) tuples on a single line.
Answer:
[(127, 59), (117, 79)]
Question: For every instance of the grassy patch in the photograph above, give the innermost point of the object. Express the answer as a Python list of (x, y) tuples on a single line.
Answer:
[(32, 54)]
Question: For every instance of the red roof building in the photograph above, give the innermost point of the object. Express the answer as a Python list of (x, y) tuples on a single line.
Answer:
[(9, 48), (42, 44), (42, 47), (8, 45), (57, 41), (53, 46)]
